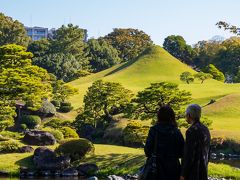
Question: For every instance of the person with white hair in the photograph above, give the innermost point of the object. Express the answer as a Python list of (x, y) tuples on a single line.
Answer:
[(197, 146)]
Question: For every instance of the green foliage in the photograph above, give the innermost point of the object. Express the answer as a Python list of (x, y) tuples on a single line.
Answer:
[(65, 109), (148, 101), (17, 75), (83, 73), (39, 48), (101, 55), (47, 108), (226, 26), (56, 103), (62, 91), (101, 98), (69, 133), (135, 134), (187, 77), (216, 74), (9, 146), (203, 76), (14, 56), (7, 114), (56, 123), (11, 135), (63, 66), (23, 126), (56, 133), (12, 32), (76, 149), (70, 40), (177, 46), (129, 42), (31, 121)]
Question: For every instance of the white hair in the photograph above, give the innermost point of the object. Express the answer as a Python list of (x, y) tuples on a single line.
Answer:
[(194, 111)]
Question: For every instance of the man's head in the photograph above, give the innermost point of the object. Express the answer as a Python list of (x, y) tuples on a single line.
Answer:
[(193, 113)]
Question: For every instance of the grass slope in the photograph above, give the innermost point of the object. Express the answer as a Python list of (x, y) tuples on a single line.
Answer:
[(157, 65)]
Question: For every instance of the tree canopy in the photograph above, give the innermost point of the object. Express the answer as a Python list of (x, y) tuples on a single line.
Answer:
[(101, 55), (177, 46), (12, 32), (102, 99), (129, 42), (148, 101), (20, 81), (216, 74), (187, 77)]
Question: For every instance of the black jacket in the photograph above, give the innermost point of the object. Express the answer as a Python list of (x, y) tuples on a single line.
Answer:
[(169, 149), (196, 152)]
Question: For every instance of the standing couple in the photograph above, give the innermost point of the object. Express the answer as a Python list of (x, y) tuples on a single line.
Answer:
[(170, 146)]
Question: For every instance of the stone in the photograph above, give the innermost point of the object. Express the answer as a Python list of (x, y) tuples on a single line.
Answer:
[(26, 149), (114, 177), (70, 172), (4, 173), (46, 159), (93, 178), (39, 138), (87, 169)]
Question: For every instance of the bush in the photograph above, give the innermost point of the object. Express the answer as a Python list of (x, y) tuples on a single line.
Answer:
[(66, 104), (56, 103), (47, 108), (56, 133), (135, 134), (65, 109), (23, 126), (11, 135), (9, 146), (69, 133), (76, 149), (56, 123), (31, 121)]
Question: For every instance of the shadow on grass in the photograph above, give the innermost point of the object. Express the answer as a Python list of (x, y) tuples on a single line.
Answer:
[(26, 162), (129, 163)]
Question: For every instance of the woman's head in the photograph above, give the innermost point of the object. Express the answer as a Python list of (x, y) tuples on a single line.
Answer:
[(166, 115)]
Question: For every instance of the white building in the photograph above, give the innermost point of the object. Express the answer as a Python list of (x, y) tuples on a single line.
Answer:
[(37, 33)]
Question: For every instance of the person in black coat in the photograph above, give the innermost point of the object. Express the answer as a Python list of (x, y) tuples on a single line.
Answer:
[(169, 147), (197, 147)]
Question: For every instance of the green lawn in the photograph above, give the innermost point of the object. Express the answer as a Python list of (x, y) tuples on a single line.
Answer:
[(111, 159)]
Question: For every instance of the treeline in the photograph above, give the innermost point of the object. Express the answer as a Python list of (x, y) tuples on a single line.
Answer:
[(208, 55), (66, 55)]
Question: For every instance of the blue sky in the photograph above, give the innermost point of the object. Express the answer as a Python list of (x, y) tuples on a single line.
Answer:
[(194, 20)]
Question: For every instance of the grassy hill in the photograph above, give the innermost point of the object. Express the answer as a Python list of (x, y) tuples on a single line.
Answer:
[(156, 65)]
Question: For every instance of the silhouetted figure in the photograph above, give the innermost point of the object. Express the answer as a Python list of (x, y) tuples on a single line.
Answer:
[(197, 146), (170, 144)]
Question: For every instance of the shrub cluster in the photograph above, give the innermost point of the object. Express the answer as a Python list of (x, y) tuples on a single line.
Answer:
[(56, 133), (69, 133), (31, 121), (57, 123), (65, 107), (9, 146), (76, 149), (135, 134)]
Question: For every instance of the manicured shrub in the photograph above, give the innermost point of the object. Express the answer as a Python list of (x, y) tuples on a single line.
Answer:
[(56, 133), (9, 146), (47, 108), (69, 133), (135, 134), (66, 104), (76, 149), (56, 123), (23, 126), (56, 103), (31, 121), (65, 109)]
